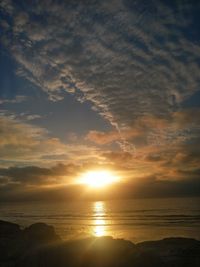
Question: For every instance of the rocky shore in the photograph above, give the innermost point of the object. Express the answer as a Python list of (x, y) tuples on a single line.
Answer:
[(39, 246)]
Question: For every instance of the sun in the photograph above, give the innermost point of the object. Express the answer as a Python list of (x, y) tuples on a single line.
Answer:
[(98, 178)]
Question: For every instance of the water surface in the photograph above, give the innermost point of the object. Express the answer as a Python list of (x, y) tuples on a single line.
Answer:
[(136, 220)]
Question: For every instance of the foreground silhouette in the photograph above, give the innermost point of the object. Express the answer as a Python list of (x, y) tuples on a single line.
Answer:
[(39, 246)]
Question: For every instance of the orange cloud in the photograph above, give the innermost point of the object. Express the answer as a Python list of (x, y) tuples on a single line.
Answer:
[(23, 142), (102, 138)]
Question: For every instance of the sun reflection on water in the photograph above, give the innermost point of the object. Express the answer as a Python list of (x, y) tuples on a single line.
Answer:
[(99, 212)]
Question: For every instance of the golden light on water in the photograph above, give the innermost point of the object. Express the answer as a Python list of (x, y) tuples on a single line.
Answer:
[(98, 178), (99, 212)]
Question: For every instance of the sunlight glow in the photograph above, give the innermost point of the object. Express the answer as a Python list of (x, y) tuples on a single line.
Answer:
[(98, 178), (99, 212)]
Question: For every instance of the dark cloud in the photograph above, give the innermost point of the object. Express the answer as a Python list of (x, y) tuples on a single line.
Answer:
[(3, 180), (195, 172), (33, 175), (165, 188)]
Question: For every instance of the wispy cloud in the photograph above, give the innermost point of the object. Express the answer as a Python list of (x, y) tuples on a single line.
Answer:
[(17, 99), (26, 143)]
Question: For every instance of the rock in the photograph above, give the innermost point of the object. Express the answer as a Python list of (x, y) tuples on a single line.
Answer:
[(8, 230), (90, 252), (38, 245), (175, 251), (40, 232)]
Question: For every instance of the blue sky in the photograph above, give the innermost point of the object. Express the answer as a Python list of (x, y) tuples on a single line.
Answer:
[(58, 117)]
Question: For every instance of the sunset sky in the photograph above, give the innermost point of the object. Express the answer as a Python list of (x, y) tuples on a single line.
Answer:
[(99, 86)]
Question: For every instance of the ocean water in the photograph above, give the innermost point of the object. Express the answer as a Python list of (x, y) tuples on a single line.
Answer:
[(136, 220)]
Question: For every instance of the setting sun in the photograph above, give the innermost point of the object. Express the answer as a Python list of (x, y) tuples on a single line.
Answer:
[(98, 178)]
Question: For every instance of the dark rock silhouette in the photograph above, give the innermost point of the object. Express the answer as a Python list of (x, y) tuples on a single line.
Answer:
[(39, 246), (8, 229), (40, 232), (175, 251)]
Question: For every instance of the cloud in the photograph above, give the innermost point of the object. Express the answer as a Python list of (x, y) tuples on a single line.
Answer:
[(181, 127), (17, 99), (152, 187), (163, 162), (33, 175), (23, 116), (19, 134), (47, 184), (24, 143), (128, 59), (136, 62), (102, 138), (31, 117), (7, 6), (118, 158)]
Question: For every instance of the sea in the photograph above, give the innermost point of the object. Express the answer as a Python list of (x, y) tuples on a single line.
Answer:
[(136, 219)]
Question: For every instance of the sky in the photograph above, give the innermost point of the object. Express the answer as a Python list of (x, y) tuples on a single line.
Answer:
[(99, 85)]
